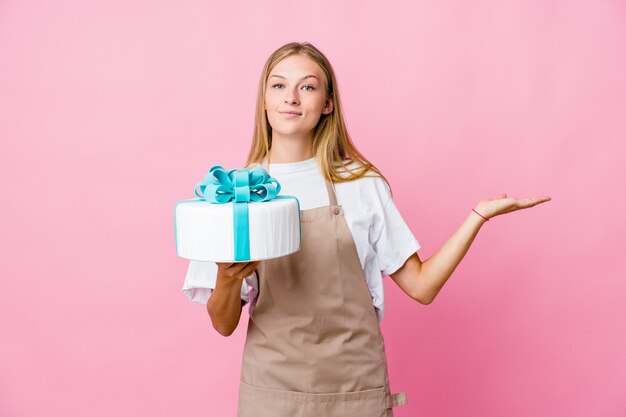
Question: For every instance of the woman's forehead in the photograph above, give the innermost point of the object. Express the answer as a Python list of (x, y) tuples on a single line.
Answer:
[(297, 67)]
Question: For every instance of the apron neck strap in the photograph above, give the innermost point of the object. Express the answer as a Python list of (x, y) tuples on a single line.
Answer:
[(332, 197), (330, 187)]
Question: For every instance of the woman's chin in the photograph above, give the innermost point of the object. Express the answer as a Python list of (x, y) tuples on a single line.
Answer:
[(285, 131)]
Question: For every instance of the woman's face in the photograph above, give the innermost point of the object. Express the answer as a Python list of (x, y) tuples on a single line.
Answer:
[(297, 85)]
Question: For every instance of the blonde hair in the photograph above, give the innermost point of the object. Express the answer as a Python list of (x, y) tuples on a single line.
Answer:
[(332, 146)]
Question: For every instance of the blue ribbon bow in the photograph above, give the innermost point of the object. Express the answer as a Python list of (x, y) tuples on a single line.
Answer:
[(239, 186)]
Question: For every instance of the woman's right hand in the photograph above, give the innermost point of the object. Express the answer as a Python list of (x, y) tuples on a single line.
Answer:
[(224, 304), (236, 270)]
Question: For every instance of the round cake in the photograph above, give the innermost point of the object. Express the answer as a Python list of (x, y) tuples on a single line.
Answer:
[(206, 231)]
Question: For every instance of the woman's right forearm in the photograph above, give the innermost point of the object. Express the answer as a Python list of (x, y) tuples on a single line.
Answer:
[(224, 305)]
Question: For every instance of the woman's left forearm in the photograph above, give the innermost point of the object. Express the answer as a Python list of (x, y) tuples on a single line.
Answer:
[(438, 268)]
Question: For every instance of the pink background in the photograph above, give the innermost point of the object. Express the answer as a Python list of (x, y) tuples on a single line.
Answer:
[(112, 111)]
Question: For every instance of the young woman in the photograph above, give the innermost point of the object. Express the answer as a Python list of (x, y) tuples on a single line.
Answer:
[(313, 344)]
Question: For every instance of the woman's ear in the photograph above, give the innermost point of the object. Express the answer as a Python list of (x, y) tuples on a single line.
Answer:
[(329, 105)]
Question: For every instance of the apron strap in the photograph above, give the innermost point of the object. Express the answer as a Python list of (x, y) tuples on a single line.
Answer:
[(330, 187), (393, 400), (332, 197)]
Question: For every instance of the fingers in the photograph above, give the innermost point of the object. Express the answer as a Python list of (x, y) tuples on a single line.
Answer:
[(530, 202), (535, 200), (242, 269), (540, 200), (236, 270), (503, 204), (249, 268)]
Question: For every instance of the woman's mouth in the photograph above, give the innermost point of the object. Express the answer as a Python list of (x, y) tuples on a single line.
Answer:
[(290, 115)]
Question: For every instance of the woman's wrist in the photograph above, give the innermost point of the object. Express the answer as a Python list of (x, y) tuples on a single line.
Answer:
[(485, 218)]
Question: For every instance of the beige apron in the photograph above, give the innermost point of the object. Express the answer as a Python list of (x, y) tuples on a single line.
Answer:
[(313, 346)]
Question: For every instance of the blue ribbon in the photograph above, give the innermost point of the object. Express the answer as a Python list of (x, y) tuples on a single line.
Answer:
[(239, 186)]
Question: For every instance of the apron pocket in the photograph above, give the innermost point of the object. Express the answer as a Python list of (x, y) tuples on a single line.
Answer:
[(268, 402)]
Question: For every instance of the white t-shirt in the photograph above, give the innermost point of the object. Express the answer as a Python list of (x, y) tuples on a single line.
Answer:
[(382, 238)]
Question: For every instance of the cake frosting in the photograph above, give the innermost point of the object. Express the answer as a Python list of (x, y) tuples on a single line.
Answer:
[(205, 231)]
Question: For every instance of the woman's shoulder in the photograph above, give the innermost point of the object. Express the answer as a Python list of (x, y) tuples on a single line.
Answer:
[(368, 184), (252, 165), (349, 167)]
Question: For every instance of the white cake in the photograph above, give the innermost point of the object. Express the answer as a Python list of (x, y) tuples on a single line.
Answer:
[(205, 231)]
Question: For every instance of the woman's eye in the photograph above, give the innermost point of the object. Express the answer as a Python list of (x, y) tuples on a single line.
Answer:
[(311, 88)]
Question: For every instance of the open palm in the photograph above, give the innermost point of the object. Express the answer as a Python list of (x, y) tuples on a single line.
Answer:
[(502, 204)]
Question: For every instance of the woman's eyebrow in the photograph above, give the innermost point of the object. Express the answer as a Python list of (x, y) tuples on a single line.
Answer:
[(303, 78)]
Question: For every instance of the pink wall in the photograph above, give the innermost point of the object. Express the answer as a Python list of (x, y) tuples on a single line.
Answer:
[(112, 111)]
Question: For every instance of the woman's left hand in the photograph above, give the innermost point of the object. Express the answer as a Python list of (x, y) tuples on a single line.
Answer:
[(503, 204)]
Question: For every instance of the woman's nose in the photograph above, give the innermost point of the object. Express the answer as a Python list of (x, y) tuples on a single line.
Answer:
[(291, 97)]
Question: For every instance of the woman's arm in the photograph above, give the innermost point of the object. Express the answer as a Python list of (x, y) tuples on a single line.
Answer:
[(225, 304), (422, 281)]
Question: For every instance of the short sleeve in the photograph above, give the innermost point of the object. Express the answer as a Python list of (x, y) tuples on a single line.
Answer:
[(200, 282), (394, 242)]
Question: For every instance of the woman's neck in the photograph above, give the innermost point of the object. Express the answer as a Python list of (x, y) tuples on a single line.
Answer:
[(288, 150)]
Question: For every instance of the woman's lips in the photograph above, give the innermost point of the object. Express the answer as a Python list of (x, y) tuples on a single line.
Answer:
[(290, 115)]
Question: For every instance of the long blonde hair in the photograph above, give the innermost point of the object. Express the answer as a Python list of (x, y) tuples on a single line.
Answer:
[(332, 146)]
